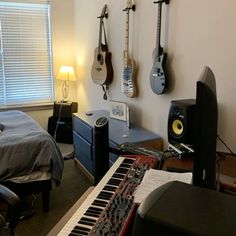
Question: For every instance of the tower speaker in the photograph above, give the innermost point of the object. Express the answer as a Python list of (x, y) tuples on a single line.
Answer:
[(101, 149), (181, 121)]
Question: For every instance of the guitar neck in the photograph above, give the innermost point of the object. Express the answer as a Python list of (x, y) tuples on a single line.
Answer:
[(100, 37), (158, 36), (126, 53)]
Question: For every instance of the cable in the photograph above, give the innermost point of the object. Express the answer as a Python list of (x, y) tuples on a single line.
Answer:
[(231, 152), (162, 159), (58, 121), (218, 174)]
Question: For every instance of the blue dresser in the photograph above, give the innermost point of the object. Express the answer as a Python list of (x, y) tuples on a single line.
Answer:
[(83, 130)]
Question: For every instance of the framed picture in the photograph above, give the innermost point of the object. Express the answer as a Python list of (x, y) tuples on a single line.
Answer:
[(118, 110)]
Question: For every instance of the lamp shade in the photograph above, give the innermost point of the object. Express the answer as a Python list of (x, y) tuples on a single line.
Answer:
[(66, 73)]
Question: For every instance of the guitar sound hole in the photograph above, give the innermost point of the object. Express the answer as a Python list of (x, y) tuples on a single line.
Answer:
[(100, 58)]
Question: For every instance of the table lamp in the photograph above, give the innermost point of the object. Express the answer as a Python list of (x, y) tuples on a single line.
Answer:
[(67, 74)]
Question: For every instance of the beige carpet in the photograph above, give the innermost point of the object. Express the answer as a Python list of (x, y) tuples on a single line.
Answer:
[(74, 184)]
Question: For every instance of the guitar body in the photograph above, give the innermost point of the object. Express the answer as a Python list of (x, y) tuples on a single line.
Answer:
[(128, 84), (102, 70), (158, 75)]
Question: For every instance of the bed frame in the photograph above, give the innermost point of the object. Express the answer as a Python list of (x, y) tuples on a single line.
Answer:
[(23, 189)]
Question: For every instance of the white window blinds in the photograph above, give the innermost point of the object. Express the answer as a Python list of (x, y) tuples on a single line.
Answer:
[(25, 52)]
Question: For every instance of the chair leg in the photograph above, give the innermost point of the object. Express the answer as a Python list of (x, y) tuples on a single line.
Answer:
[(45, 198)]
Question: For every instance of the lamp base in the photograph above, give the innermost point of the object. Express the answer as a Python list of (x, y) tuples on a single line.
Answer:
[(65, 90)]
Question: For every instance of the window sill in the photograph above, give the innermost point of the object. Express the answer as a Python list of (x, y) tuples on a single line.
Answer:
[(28, 107)]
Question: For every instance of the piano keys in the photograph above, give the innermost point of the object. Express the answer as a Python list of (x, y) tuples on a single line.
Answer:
[(109, 207)]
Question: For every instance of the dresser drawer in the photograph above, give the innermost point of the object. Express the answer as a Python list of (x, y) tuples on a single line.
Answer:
[(83, 129), (84, 152)]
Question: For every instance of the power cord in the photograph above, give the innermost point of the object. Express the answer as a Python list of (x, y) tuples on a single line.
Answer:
[(162, 159), (58, 122), (225, 154)]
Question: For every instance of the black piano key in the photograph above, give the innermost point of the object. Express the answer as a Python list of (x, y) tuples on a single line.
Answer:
[(105, 195), (79, 232), (76, 234), (121, 170), (114, 182), (118, 176), (99, 203), (96, 215), (128, 161), (124, 165), (93, 211), (110, 188), (87, 221), (77, 227)]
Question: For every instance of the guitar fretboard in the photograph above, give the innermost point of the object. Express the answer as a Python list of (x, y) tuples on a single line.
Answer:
[(158, 35)]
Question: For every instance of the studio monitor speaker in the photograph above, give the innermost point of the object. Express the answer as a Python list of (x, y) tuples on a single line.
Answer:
[(181, 121)]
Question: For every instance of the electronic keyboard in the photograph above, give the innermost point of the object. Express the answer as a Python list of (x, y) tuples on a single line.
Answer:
[(110, 209)]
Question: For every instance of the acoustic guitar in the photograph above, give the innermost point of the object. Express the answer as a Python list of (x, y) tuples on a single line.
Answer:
[(102, 70), (128, 81), (158, 75)]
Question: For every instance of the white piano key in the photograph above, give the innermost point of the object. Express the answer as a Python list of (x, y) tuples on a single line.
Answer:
[(66, 230)]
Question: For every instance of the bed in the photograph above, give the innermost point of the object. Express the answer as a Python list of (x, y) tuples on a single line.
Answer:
[(30, 160)]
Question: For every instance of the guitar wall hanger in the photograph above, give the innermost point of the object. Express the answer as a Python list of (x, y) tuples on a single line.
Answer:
[(162, 1), (133, 8)]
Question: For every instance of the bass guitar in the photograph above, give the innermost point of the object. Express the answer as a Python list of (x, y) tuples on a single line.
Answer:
[(158, 75), (128, 81), (102, 70)]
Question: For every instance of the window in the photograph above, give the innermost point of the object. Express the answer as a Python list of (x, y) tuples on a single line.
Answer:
[(25, 52)]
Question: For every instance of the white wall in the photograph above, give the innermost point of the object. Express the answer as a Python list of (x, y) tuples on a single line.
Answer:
[(195, 33), (62, 19)]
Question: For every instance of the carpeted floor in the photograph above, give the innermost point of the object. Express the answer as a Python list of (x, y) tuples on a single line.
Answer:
[(74, 184)]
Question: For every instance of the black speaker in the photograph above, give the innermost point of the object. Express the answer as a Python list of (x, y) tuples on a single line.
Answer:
[(101, 149), (181, 121), (177, 208), (65, 109), (64, 133)]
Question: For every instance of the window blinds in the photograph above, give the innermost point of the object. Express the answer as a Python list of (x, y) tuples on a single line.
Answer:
[(25, 52)]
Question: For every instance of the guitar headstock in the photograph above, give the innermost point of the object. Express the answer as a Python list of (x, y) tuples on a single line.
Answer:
[(162, 1), (104, 12), (129, 3), (130, 6)]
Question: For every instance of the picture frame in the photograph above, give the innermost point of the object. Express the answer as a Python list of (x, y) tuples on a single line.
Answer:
[(118, 110)]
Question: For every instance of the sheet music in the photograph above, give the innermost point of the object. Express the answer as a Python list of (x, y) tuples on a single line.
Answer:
[(155, 178)]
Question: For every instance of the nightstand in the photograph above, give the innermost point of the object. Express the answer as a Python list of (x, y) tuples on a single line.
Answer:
[(61, 121)]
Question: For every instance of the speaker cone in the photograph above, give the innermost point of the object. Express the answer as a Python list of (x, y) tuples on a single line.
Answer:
[(177, 128)]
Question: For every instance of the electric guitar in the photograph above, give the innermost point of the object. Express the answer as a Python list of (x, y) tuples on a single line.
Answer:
[(128, 81), (158, 75), (102, 70)]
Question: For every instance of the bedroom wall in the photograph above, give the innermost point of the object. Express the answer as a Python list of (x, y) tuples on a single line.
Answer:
[(195, 33)]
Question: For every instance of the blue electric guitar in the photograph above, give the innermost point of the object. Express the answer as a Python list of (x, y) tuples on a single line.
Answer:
[(158, 75)]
